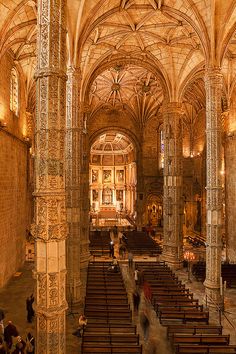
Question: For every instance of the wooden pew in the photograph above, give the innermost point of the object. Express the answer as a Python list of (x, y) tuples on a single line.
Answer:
[(170, 316), (202, 339), (178, 306), (110, 349), (111, 338), (205, 349), (111, 328), (193, 329)]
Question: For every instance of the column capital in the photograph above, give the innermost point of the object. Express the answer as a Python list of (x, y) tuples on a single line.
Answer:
[(172, 107), (213, 75), (73, 70)]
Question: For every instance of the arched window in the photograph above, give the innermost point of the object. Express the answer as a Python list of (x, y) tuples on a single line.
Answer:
[(14, 91), (161, 150)]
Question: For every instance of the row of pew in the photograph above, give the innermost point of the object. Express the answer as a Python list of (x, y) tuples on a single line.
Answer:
[(228, 273), (139, 243), (186, 321), (99, 243), (109, 329)]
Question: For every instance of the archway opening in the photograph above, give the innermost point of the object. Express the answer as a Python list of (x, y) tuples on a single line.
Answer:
[(112, 180)]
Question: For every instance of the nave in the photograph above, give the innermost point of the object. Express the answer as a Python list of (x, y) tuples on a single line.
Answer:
[(13, 296)]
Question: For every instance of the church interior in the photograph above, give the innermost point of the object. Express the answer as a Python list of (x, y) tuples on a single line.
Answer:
[(118, 160)]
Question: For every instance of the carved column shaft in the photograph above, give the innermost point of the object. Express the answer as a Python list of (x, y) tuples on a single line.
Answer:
[(213, 85), (84, 190), (173, 180), (50, 228), (73, 181)]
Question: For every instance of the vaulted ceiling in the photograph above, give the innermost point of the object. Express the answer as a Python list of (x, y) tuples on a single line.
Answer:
[(168, 39)]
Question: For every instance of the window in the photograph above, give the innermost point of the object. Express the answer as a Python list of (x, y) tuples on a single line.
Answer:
[(14, 91), (161, 150)]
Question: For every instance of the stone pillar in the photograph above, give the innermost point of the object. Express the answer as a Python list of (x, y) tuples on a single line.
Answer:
[(50, 228), (173, 185), (84, 200), (73, 169), (213, 86), (230, 194)]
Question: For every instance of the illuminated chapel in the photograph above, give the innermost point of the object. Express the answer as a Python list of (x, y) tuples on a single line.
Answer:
[(118, 141)]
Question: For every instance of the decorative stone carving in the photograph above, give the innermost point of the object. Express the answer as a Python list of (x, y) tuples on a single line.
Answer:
[(74, 133), (172, 201), (50, 228), (213, 85)]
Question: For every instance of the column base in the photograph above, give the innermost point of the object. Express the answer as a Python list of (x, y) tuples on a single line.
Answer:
[(213, 299), (172, 262)]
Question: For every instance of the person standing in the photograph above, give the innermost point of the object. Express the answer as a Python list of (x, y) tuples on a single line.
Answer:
[(2, 347), (30, 343), (20, 346), (130, 259), (9, 332), (29, 308), (111, 249), (136, 277), (2, 316)]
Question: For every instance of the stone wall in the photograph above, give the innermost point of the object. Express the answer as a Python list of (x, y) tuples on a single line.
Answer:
[(13, 204), (14, 179)]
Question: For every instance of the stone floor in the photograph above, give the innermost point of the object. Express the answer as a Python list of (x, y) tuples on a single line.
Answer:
[(14, 294)]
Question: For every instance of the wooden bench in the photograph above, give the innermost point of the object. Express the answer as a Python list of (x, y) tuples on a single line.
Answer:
[(193, 329), (112, 338), (112, 328), (178, 307), (202, 339), (205, 349), (167, 316), (110, 349), (106, 300), (115, 313), (94, 297)]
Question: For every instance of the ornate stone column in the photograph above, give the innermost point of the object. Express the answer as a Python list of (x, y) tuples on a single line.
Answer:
[(73, 196), (50, 228), (84, 190), (173, 184), (213, 85)]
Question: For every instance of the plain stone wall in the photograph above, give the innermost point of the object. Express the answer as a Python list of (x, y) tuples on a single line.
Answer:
[(14, 178), (13, 205)]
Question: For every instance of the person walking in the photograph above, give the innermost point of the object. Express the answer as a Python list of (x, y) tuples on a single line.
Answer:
[(145, 325), (136, 300)]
